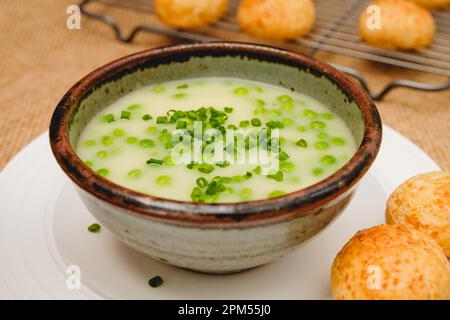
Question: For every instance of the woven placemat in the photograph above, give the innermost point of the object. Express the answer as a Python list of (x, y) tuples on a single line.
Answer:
[(41, 59)]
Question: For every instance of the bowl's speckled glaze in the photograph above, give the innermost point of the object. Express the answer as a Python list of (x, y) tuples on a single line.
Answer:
[(215, 238)]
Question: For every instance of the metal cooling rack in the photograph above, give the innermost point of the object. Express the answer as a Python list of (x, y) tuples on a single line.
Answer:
[(336, 30)]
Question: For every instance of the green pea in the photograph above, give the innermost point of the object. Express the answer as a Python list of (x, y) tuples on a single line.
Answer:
[(134, 107), (321, 145), (287, 166), (259, 103), (103, 172), (94, 228), (246, 193), (152, 129), (317, 125), (136, 173), (118, 132), (327, 160), (89, 143), (163, 180), (288, 122), (131, 140), (317, 171), (159, 89), (284, 99), (338, 141), (277, 193), (241, 91), (287, 106), (180, 95), (310, 114), (107, 140), (147, 143), (102, 154)]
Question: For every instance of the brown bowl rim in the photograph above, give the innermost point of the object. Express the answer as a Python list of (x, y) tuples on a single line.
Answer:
[(294, 204)]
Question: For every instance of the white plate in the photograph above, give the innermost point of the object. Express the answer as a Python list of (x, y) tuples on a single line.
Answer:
[(43, 231)]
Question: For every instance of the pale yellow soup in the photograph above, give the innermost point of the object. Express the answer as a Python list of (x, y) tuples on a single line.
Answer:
[(126, 144)]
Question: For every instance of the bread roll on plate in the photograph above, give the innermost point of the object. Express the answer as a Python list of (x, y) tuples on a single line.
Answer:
[(390, 262), (423, 202)]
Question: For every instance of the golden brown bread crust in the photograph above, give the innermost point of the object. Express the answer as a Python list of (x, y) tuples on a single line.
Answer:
[(274, 19), (432, 4), (411, 266), (187, 14), (404, 25), (423, 202)]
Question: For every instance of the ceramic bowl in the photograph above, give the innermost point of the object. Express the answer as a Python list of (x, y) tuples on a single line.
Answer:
[(215, 238)]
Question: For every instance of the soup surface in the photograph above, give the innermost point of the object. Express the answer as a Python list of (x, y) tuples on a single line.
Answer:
[(215, 140)]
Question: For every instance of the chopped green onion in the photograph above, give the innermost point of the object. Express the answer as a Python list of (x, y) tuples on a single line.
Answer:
[(327, 160), (244, 123), (102, 154), (259, 103), (223, 164), (89, 143), (276, 176), (241, 91), (94, 228), (255, 122), (284, 99), (103, 172), (205, 168), (155, 161), (288, 122), (134, 106), (183, 86), (275, 124), (277, 193), (107, 141), (125, 115), (180, 95), (108, 118), (136, 173), (152, 129), (168, 160), (147, 143), (322, 135), (118, 132), (317, 171), (302, 143), (181, 124), (327, 116), (159, 89), (162, 120), (282, 156), (317, 125), (338, 141), (287, 166), (287, 106), (131, 140), (301, 129), (310, 114), (321, 145), (197, 195), (257, 170), (89, 163), (202, 182), (246, 193), (228, 109), (147, 117), (163, 180)]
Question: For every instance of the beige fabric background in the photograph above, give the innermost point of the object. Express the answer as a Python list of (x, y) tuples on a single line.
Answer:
[(40, 59)]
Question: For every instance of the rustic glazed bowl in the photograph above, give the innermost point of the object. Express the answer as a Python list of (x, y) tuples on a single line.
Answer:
[(215, 238)]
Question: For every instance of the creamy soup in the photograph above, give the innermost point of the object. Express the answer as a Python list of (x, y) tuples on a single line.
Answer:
[(175, 140)]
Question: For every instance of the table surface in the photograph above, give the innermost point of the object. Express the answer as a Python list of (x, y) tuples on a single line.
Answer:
[(40, 59)]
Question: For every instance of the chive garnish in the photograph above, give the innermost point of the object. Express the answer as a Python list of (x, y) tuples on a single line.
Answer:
[(155, 161), (147, 117), (108, 118), (276, 193), (103, 172), (163, 180), (327, 160), (147, 143), (125, 115), (134, 106), (181, 124), (162, 120), (301, 143), (94, 228), (282, 156), (205, 168), (202, 182), (255, 122), (244, 123), (275, 124), (135, 173), (276, 176), (321, 145), (228, 109), (183, 86)]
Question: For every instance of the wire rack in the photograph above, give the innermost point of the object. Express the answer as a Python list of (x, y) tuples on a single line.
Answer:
[(336, 30)]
